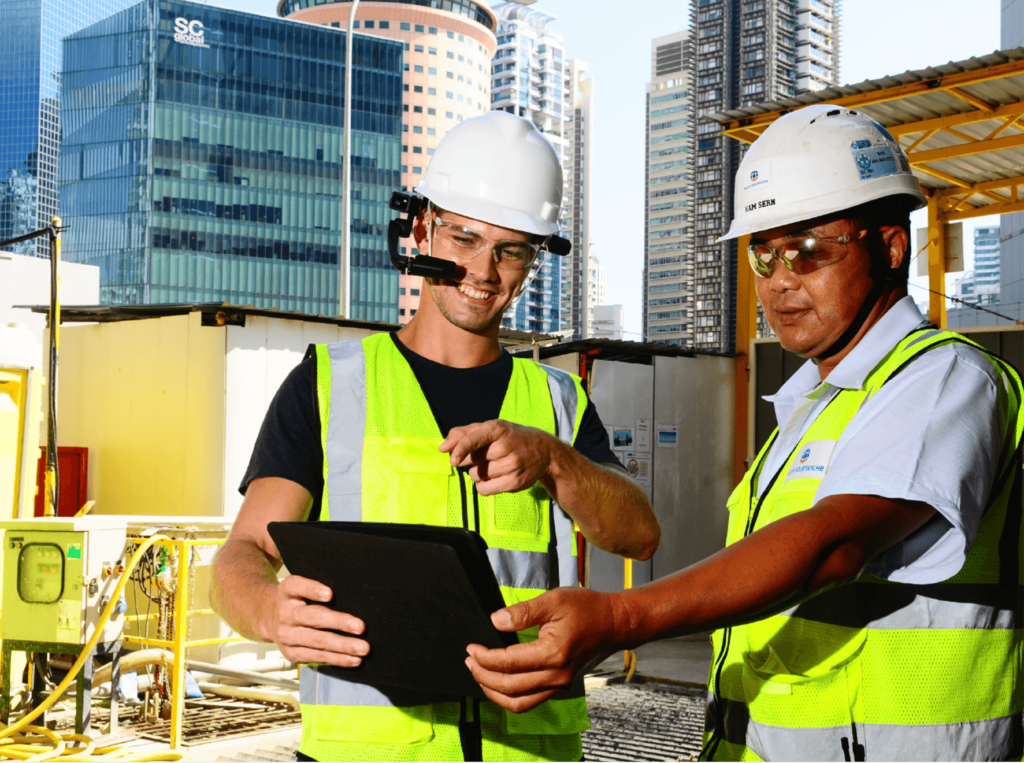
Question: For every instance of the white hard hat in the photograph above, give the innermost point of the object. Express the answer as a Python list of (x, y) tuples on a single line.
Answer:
[(816, 161), (499, 169)]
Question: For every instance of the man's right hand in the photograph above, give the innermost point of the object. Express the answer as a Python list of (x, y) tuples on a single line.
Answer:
[(302, 628)]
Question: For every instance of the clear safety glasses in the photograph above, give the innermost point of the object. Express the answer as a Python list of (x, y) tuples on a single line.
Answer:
[(801, 255), (465, 243)]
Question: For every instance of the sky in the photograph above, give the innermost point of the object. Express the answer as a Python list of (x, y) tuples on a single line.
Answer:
[(879, 37)]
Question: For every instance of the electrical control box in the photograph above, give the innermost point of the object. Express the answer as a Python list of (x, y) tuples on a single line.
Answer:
[(59, 574)]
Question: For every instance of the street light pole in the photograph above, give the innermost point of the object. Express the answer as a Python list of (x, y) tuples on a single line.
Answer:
[(346, 186)]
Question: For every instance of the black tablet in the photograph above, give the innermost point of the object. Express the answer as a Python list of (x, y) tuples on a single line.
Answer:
[(424, 592)]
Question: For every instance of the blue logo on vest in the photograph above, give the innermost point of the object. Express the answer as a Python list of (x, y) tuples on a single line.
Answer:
[(805, 455)]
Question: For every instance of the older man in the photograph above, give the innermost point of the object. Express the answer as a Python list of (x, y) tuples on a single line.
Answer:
[(868, 603)]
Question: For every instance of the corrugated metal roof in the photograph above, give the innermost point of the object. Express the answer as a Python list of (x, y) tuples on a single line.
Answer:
[(991, 92), (235, 314)]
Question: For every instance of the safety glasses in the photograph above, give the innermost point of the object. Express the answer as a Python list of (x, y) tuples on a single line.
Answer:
[(802, 255), (465, 243)]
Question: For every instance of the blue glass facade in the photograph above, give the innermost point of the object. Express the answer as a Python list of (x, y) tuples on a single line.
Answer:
[(539, 309), (203, 158), (30, 64)]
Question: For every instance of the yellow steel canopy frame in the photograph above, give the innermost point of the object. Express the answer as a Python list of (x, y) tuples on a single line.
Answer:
[(927, 141)]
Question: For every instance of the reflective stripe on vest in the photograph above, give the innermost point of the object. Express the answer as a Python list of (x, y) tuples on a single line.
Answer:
[(380, 440), (870, 669)]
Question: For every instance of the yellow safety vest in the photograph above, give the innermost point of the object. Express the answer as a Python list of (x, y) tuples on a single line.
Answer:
[(381, 464), (874, 670)]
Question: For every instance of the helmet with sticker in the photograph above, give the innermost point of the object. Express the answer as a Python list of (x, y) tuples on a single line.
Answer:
[(817, 161)]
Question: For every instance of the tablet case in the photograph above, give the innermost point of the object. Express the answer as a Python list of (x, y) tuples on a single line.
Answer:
[(424, 593)]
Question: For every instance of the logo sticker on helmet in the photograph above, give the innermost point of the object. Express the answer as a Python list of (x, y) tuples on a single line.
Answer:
[(875, 162), (861, 144), (759, 177)]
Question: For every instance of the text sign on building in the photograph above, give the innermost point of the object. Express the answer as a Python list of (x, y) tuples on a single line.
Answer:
[(189, 32)]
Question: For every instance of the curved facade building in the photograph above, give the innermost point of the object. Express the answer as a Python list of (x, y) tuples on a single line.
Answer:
[(447, 77)]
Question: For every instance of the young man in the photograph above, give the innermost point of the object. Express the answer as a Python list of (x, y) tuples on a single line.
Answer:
[(868, 603), (435, 424)]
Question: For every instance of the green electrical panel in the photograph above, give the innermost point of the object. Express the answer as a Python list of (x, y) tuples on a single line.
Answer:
[(55, 584)]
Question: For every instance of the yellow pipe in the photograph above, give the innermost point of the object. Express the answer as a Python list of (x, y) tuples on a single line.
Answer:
[(10, 732)]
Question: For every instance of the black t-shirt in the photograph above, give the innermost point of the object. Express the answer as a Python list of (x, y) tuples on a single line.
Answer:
[(289, 443)]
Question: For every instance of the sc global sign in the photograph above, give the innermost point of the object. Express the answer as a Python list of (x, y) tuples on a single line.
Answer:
[(189, 32)]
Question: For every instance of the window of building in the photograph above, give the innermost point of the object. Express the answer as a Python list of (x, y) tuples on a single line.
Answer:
[(461, 98), (431, 131), (367, 25), (430, 152), (432, 112), (355, 25), (419, 48), (449, 94), (459, 119), (461, 38), (417, 150), (407, 47), (417, 170), (405, 128), (450, 75), (401, 310), (385, 25), (405, 88), (431, 70), (405, 168), (432, 30), (448, 114), (417, 128), (401, 290), (418, 69), (336, 24), (450, 54), (405, 26), (413, 312), (405, 149), (419, 27), (431, 91), (417, 88), (432, 51), (405, 67), (417, 109), (414, 292), (451, 35), (405, 107), (461, 58)]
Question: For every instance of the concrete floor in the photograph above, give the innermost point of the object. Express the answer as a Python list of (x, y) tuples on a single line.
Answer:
[(680, 660)]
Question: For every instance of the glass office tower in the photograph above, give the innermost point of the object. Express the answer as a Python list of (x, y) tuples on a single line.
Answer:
[(30, 50), (203, 159)]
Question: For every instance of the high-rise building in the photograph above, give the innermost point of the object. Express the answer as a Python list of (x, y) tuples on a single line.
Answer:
[(745, 52), (577, 170), (203, 158), (30, 67), (448, 48), (981, 285), (597, 289), (528, 80), (668, 293)]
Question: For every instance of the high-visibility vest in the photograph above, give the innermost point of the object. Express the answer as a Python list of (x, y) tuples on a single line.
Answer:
[(873, 670), (382, 464)]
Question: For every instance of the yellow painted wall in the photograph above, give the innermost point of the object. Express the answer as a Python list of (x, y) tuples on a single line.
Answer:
[(147, 398), (13, 402)]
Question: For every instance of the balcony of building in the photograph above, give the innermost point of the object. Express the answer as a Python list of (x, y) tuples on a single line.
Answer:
[(817, 6)]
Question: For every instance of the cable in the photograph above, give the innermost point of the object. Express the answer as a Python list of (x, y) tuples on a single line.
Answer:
[(15, 742), (969, 304)]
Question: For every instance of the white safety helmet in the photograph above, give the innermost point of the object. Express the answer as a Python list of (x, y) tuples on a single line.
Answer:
[(816, 161), (499, 169)]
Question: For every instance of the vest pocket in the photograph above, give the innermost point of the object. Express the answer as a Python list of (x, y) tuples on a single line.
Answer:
[(374, 725), (522, 515), (419, 479), (556, 716)]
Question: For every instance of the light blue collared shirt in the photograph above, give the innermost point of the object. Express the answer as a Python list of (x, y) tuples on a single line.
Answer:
[(933, 433)]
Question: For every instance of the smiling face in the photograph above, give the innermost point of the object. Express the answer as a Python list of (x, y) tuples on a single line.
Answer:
[(810, 312), (479, 292)]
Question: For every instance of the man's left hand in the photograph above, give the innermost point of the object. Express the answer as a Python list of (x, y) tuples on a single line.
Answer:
[(503, 457), (577, 625)]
